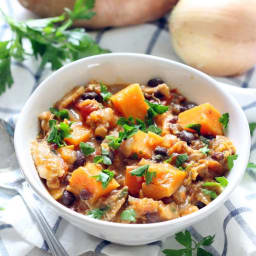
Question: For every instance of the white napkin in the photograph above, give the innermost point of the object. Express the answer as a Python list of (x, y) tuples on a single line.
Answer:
[(233, 224)]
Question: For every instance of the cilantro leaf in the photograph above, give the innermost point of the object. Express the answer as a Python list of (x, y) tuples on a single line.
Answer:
[(140, 171), (195, 127), (102, 160), (86, 148), (129, 215), (157, 109), (180, 159), (104, 92), (252, 127), (210, 193), (149, 177), (114, 142), (251, 165), (61, 114), (155, 129), (208, 240), (184, 238), (203, 252), (231, 160), (205, 150), (211, 184), (169, 252), (224, 120), (97, 213), (222, 181), (105, 177)]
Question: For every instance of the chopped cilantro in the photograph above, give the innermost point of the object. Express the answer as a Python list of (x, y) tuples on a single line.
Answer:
[(114, 142), (61, 114), (222, 181), (210, 193), (180, 159), (231, 160), (58, 132), (104, 92), (155, 129), (157, 109), (149, 177), (97, 213), (87, 148), (185, 239), (205, 150), (105, 177), (140, 171), (102, 160), (129, 215), (195, 127), (252, 127), (224, 120)]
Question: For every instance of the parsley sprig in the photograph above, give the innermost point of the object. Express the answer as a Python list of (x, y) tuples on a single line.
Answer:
[(58, 132), (185, 239), (224, 120), (105, 177), (104, 158), (98, 213), (105, 94), (61, 114), (49, 39), (143, 171), (87, 148)]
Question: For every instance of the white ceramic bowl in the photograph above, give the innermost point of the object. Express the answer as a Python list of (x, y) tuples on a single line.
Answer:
[(130, 68)]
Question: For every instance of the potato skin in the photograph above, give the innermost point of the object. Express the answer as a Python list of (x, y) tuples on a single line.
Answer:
[(108, 12)]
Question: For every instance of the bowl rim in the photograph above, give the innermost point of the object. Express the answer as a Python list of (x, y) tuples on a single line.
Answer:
[(63, 210)]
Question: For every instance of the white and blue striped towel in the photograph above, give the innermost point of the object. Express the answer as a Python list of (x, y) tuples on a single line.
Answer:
[(234, 224)]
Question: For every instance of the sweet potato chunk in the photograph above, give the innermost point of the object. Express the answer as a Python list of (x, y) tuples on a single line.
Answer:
[(167, 180), (205, 115), (82, 178), (68, 154), (79, 134), (133, 183), (130, 102), (154, 140)]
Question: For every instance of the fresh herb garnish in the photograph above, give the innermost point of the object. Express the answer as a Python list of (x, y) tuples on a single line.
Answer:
[(104, 92), (221, 182), (97, 213), (231, 160), (252, 127), (149, 177), (61, 114), (86, 148), (185, 239), (180, 159), (224, 120), (155, 129), (129, 215), (210, 193), (102, 160), (205, 150), (105, 177), (49, 39), (114, 142), (195, 127), (58, 133), (140, 171), (251, 165)]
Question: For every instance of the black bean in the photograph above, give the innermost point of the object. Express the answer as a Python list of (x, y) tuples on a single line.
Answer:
[(177, 109), (186, 136), (160, 151), (85, 194), (155, 82), (68, 198), (218, 156), (91, 96), (152, 217), (159, 95), (200, 204), (167, 200), (174, 120), (209, 137), (80, 160)]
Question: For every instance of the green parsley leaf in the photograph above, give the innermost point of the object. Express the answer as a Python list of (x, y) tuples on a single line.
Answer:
[(224, 120), (251, 165), (104, 92), (231, 160), (205, 150), (222, 181), (140, 171), (252, 127), (195, 127), (180, 159), (208, 240), (129, 215), (97, 213), (211, 184), (203, 252), (210, 193), (105, 177), (113, 142), (61, 114), (149, 177), (158, 109), (184, 238), (86, 148), (155, 129), (58, 133), (169, 252), (102, 160)]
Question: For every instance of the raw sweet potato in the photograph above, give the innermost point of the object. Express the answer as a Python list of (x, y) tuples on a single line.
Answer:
[(130, 102), (82, 178), (167, 180), (79, 134), (133, 182), (205, 115)]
